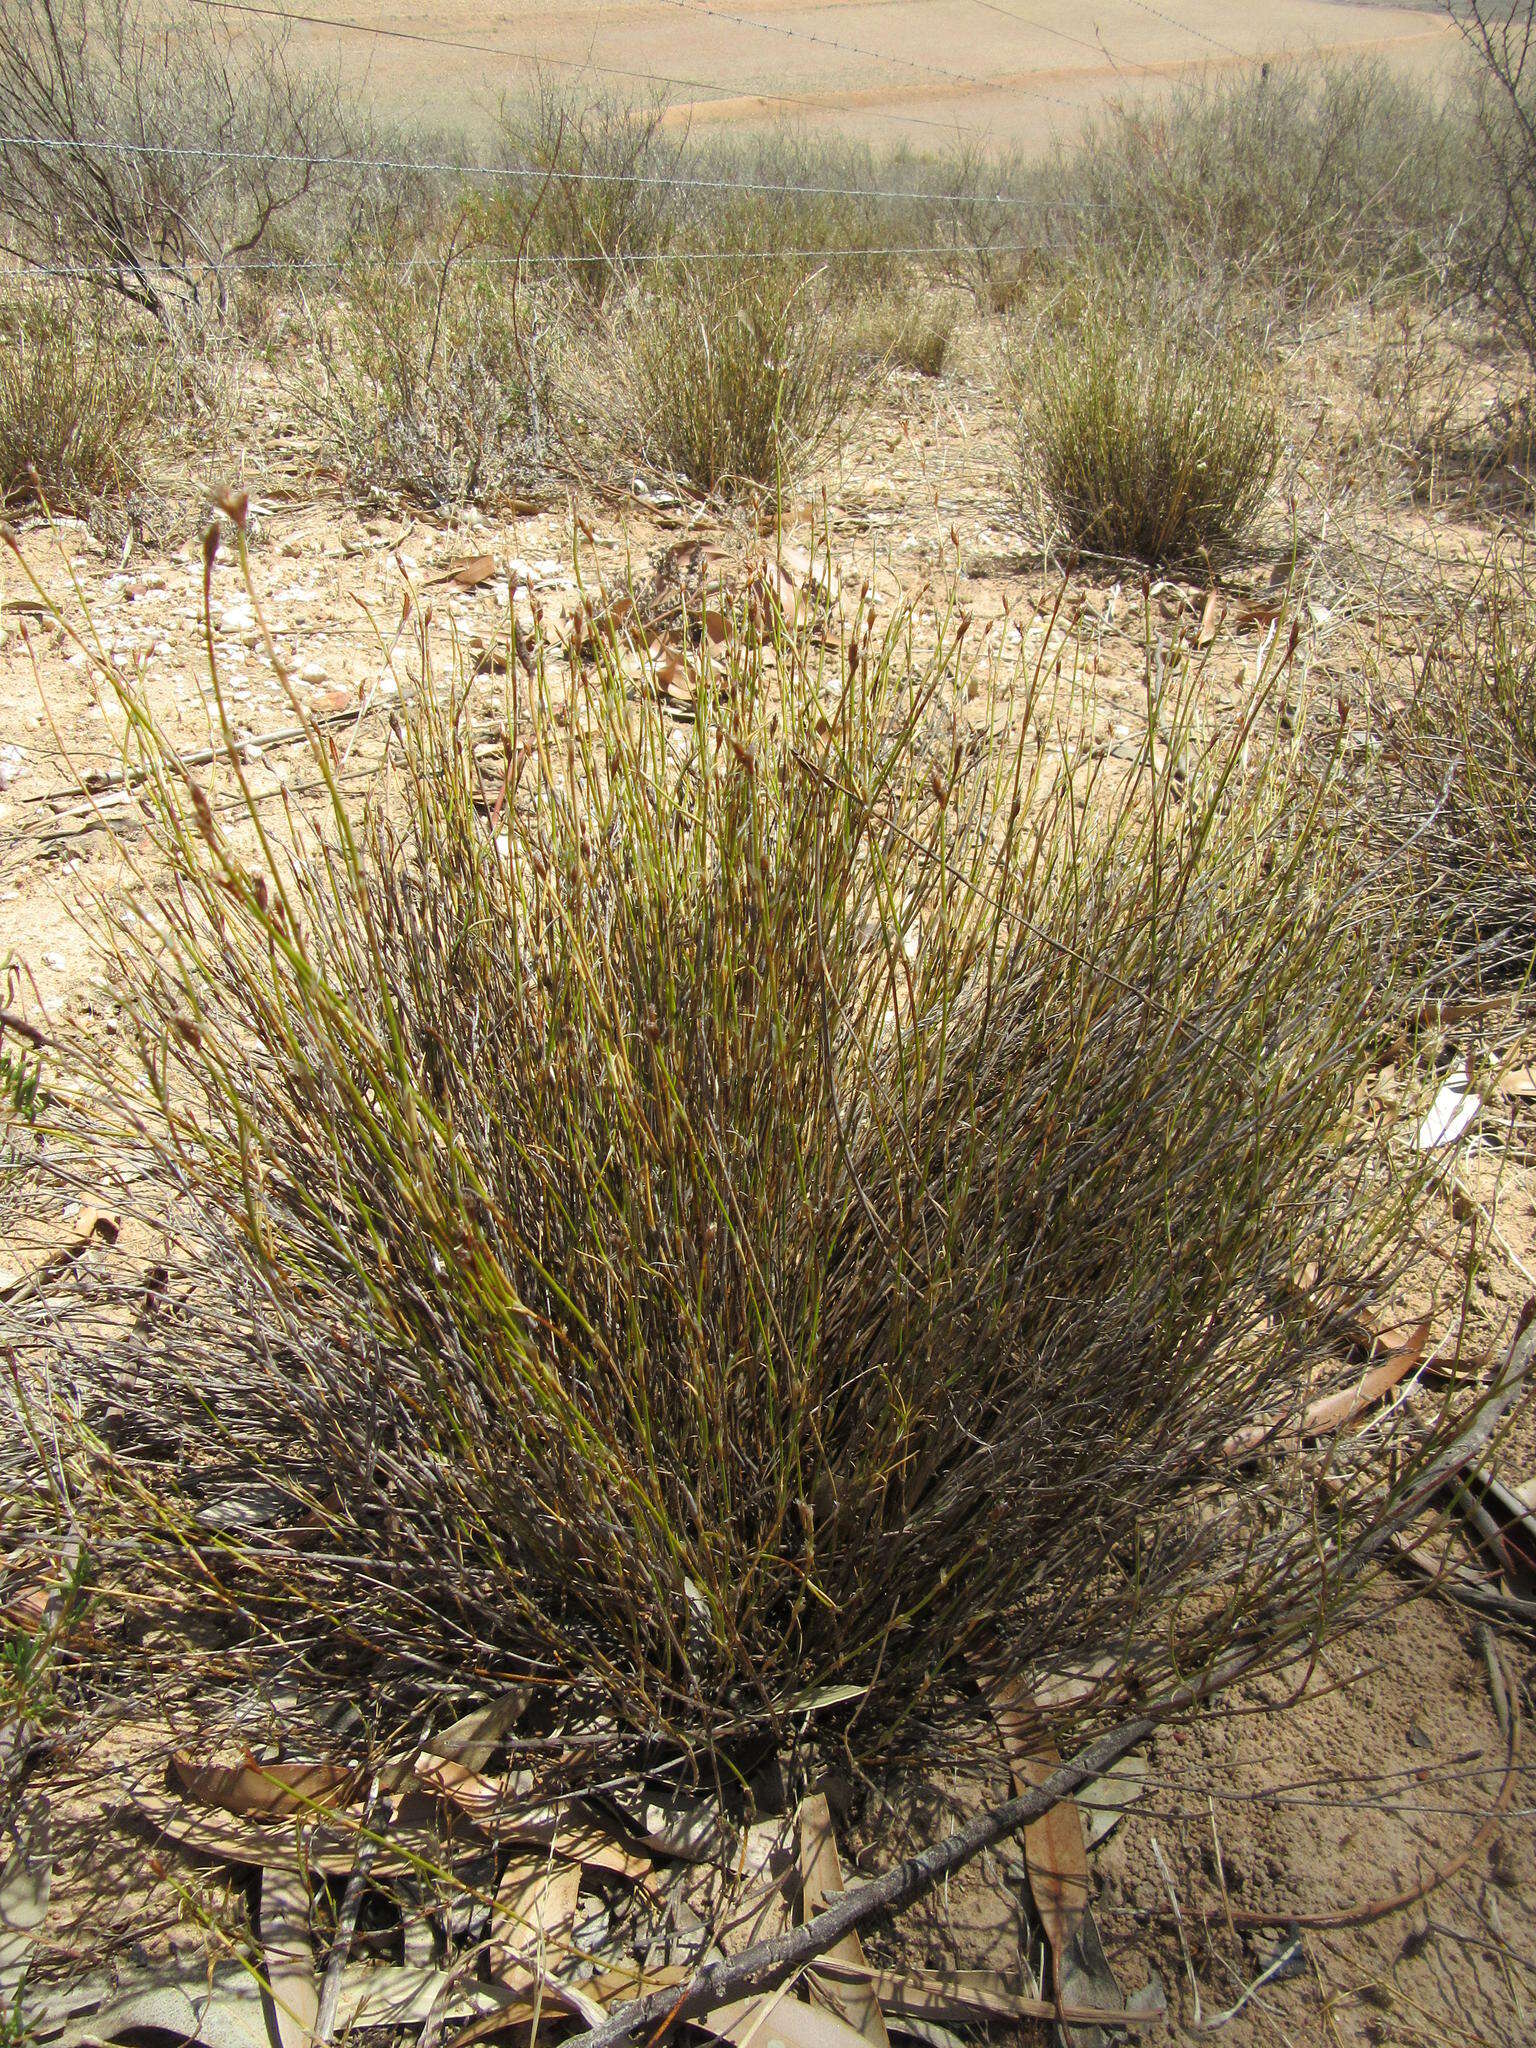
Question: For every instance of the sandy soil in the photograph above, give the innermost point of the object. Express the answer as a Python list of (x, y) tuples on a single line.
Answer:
[(922, 71)]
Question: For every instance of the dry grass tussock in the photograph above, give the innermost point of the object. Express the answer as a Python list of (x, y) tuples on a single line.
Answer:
[(790, 1197), (79, 394), (908, 329), (605, 203), (1141, 434)]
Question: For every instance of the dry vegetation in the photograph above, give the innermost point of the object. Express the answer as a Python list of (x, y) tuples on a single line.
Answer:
[(728, 1175), (823, 1098), (1143, 436), (78, 396)]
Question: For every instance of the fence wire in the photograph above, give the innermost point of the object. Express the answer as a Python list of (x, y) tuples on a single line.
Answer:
[(93, 145)]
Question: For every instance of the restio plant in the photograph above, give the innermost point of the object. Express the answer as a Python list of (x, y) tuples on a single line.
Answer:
[(79, 393), (1141, 435), (733, 372), (1457, 802), (691, 1213)]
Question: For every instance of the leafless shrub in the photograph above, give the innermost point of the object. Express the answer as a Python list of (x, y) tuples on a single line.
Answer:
[(1457, 804), (1500, 34), (604, 201), (1298, 179), (428, 386), (1450, 413), (153, 146)]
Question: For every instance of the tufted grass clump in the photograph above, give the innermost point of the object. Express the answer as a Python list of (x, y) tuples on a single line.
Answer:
[(695, 1211), (733, 373), (79, 396), (1142, 436), (908, 329)]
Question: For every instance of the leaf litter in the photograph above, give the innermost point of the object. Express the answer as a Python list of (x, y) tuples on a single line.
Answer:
[(570, 1926)]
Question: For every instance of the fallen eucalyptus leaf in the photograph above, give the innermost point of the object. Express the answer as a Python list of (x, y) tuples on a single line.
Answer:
[(965, 1996), (330, 1849), (1055, 1856), (1104, 1802), (25, 1884), (471, 1742), (289, 1954), (467, 575), (533, 1920), (1086, 1983), (780, 2021), (266, 1791), (821, 1880), (1333, 1411), (223, 2009)]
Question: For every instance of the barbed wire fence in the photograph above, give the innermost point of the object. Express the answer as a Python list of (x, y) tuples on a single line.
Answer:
[(1027, 220)]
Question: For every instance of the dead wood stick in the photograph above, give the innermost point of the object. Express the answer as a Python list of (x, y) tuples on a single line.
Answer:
[(346, 1921), (1511, 1381), (9, 1021), (766, 1964), (122, 783)]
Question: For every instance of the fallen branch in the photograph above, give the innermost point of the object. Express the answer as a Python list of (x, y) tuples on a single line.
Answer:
[(766, 1964)]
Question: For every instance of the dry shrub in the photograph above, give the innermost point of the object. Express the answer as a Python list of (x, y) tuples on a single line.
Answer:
[(605, 202), (1142, 435), (78, 396), (1452, 415), (1302, 179), (807, 196), (790, 1197), (429, 390), (211, 134), (732, 373), (1501, 37)]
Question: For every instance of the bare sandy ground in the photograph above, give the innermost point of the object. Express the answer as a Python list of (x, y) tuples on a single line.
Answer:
[(921, 72)]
